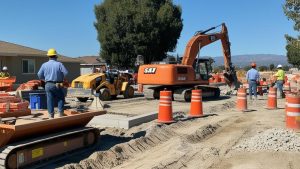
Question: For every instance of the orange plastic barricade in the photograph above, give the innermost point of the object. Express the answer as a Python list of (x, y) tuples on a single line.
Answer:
[(196, 104), (241, 103), (260, 90), (13, 106), (293, 112), (7, 83), (272, 98), (140, 88), (10, 99), (15, 113), (3, 94), (222, 78), (216, 78), (165, 114)]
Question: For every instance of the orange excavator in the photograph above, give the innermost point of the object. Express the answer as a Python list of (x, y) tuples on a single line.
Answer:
[(191, 73)]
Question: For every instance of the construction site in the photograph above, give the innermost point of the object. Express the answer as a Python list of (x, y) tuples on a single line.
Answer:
[(184, 113)]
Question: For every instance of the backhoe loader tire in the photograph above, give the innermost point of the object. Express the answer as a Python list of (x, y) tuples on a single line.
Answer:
[(104, 94), (217, 93), (156, 94), (82, 99), (187, 95), (113, 97), (129, 92)]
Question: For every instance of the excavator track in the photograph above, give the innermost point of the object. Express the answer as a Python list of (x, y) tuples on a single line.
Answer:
[(181, 93), (31, 152)]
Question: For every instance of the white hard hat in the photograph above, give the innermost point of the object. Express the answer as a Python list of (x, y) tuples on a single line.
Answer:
[(4, 68), (279, 66)]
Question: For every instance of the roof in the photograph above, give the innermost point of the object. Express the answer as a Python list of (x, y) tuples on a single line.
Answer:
[(15, 50), (91, 59)]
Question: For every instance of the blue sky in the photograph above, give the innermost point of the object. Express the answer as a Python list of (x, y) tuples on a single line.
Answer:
[(255, 26)]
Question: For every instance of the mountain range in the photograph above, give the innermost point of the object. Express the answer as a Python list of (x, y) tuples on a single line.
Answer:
[(237, 60), (260, 59)]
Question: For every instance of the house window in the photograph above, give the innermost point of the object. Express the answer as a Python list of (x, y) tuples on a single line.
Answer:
[(28, 66)]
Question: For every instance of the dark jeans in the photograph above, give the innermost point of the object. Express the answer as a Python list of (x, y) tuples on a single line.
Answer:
[(252, 88), (54, 94)]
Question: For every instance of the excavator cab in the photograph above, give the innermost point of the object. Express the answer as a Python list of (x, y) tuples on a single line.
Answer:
[(202, 69)]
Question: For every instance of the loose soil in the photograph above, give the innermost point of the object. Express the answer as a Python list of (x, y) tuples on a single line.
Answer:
[(223, 138)]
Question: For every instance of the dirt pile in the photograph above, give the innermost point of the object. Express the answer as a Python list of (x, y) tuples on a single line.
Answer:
[(119, 153), (155, 135), (271, 140)]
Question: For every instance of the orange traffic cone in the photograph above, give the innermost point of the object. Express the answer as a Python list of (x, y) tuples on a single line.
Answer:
[(241, 103), (196, 104), (293, 112), (165, 114), (272, 98), (286, 104)]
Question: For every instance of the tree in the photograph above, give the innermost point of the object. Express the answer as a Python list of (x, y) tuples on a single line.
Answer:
[(271, 67), (292, 11), (246, 68), (127, 28), (285, 67), (262, 68), (219, 69)]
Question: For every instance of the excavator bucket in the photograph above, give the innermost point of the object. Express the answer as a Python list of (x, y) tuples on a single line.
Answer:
[(231, 80)]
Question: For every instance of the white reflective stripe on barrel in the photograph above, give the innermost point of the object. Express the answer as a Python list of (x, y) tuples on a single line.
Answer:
[(166, 105), (196, 100), (241, 97), (165, 97), (293, 114), (271, 96), (165, 101), (273, 92), (293, 105), (241, 94)]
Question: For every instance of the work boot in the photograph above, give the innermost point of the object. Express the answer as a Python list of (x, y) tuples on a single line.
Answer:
[(61, 114)]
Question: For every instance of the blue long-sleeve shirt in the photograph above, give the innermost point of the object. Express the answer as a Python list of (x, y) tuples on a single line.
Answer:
[(252, 74), (52, 71)]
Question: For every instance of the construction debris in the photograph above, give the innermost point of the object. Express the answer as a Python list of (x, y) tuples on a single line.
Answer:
[(274, 139)]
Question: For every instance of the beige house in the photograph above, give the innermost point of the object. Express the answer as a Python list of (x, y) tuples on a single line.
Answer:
[(24, 62)]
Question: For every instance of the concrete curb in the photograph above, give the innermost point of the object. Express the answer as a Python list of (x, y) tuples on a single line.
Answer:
[(122, 121)]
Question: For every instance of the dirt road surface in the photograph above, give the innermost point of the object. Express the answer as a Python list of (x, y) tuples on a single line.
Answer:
[(224, 139)]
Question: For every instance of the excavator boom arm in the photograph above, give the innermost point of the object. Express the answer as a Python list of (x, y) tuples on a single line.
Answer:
[(201, 39)]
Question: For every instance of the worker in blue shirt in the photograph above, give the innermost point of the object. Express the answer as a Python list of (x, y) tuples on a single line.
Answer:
[(252, 79), (53, 72)]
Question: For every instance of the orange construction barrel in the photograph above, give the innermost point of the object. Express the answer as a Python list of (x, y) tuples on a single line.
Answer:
[(241, 99), (293, 111), (286, 86), (196, 104), (165, 114), (272, 98)]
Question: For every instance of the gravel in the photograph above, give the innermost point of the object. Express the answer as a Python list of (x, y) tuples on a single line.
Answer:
[(271, 140)]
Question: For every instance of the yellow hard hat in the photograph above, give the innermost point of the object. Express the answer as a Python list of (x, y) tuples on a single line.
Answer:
[(51, 52)]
